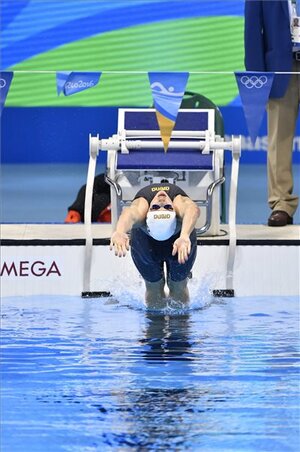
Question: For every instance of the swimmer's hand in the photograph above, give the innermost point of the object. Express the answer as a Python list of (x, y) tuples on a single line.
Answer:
[(120, 242), (182, 246)]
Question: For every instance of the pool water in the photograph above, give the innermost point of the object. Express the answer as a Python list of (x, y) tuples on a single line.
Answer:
[(107, 375)]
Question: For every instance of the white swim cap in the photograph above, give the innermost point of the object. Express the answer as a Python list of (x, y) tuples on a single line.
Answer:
[(161, 225)]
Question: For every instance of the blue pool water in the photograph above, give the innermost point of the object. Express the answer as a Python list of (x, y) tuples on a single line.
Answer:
[(102, 375)]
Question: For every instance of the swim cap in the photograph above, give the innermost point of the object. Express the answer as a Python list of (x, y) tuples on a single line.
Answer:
[(161, 225)]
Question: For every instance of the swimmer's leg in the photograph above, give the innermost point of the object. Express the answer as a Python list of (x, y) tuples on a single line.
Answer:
[(179, 274), (179, 290), (155, 296)]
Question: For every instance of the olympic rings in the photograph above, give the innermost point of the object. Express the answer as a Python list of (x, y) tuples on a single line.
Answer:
[(254, 81)]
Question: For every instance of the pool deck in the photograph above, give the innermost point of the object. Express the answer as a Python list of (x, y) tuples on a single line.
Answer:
[(48, 259), (55, 232)]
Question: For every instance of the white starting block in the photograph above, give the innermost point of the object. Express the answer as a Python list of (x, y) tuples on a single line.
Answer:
[(194, 161)]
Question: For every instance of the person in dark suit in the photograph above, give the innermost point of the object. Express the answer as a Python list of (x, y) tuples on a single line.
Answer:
[(269, 48)]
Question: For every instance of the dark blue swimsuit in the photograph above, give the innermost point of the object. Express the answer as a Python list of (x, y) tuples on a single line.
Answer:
[(149, 254)]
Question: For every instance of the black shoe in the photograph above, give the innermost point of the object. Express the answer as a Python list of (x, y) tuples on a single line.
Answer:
[(279, 218)]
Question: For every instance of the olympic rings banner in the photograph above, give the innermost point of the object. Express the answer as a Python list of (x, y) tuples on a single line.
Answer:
[(74, 82), (254, 89), (5, 81)]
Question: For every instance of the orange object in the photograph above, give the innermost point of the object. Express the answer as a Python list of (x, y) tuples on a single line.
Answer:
[(105, 215), (73, 217)]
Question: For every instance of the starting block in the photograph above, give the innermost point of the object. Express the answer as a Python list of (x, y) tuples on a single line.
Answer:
[(194, 161)]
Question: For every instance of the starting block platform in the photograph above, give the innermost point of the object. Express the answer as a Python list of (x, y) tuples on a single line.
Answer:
[(193, 161)]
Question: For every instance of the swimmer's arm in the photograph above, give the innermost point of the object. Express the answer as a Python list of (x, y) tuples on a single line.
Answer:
[(189, 212), (130, 216)]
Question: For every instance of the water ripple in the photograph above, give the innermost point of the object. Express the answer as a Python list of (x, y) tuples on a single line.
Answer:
[(92, 375)]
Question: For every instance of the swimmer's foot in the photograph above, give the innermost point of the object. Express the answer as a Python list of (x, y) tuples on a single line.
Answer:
[(157, 305), (166, 304)]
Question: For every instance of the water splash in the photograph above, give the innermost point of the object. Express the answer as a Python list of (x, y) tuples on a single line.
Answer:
[(131, 294)]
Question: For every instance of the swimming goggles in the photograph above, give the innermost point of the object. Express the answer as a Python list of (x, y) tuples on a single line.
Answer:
[(157, 207)]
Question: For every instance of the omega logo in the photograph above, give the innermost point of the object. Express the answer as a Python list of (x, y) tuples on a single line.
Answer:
[(27, 268)]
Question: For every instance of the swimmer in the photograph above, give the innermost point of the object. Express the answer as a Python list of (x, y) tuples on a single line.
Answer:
[(162, 221)]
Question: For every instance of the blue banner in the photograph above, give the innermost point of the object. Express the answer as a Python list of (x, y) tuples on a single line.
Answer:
[(167, 91), (5, 81), (70, 83), (254, 89)]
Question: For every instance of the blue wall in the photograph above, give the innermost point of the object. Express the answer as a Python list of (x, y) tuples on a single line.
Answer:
[(61, 134), (53, 134)]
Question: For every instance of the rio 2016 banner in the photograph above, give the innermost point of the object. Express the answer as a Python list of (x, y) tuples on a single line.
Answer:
[(74, 82)]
